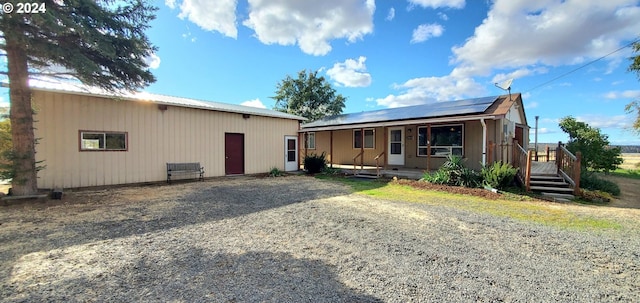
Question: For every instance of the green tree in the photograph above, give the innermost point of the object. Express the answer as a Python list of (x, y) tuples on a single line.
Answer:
[(101, 43), (632, 107), (597, 155), (308, 96)]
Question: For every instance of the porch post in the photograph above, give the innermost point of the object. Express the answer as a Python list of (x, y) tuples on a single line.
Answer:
[(362, 148), (330, 148), (428, 147), (386, 144)]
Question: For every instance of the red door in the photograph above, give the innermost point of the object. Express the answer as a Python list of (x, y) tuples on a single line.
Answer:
[(234, 154), (519, 135)]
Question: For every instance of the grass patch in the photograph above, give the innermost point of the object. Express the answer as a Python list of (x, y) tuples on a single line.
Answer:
[(626, 173), (520, 208)]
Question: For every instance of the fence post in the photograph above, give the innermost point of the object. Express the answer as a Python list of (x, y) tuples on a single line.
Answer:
[(547, 151), (576, 173)]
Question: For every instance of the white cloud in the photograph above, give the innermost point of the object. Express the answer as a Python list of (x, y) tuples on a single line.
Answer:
[(519, 73), (443, 16), (391, 14), (253, 103), (219, 16), (170, 3), (439, 3), (350, 73), (557, 33), (426, 31), (627, 94), (310, 24), (153, 61), (431, 89), (601, 121)]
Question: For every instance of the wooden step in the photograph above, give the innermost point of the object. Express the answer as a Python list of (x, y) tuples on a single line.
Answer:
[(552, 189), (549, 183), (559, 197), (546, 177), (365, 176)]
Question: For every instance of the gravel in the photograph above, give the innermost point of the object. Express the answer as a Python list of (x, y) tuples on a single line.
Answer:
[(297, 239)]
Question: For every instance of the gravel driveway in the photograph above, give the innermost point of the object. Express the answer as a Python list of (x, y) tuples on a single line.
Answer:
[(297, 239)]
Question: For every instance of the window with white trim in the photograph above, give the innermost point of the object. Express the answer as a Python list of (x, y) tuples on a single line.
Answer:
[(369, 138), (445, 140), (311, 140), (100, 141)]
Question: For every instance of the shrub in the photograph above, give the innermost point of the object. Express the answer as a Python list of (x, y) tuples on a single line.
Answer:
[(438, 177), (595, 196), (590, 181), (469, 178), (314, 163), (498, 175), (275, 172), (453, 172)]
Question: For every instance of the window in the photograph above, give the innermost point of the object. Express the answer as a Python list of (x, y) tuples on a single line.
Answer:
[(445, 140), (369, 138), (103, 141), (311, 140)]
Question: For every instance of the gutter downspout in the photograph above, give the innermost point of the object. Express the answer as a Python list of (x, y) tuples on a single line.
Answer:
[(484, 142)]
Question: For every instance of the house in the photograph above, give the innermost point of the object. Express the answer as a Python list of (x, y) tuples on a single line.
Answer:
[(88, 137), (481, 130)]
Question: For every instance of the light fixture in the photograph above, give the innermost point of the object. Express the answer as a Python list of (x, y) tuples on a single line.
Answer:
[(246, 116)]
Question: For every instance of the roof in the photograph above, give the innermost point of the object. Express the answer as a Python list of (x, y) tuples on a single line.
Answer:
[(80, 89), (476, 108)]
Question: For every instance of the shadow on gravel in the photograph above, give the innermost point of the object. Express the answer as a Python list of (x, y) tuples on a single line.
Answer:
[(201, 277), (199, 203)]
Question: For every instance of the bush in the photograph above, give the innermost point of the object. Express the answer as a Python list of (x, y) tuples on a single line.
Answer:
[(498, 175), (590, 181), (275, 172), (453, 172), (595, 196), (438, 177), (314, 163)]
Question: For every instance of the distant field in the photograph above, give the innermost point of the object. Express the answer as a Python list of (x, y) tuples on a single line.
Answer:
[(630, 161)]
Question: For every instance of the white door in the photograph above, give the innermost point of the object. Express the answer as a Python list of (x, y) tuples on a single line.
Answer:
[(291, 153), (396, 146)]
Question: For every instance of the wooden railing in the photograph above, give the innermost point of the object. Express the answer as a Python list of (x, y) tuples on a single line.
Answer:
[(522, 161), (377, 158), (361, 156), (569, 166)]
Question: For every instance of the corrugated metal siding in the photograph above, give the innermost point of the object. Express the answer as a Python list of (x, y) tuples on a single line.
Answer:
[(155, 137)]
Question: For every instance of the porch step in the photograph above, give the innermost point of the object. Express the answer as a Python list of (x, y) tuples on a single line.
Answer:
[(552, 189), (553, 183), (365, 176), (546, 178), (559, 197)]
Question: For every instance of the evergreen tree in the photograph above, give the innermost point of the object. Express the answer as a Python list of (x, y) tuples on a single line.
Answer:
[(308, 96), (101, 43)]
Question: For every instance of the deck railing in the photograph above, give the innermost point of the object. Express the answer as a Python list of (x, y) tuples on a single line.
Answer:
[(377, 158), (361, 156), (569, 166), (522, 161)]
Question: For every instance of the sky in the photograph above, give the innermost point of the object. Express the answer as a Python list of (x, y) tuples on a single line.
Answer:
[(567, 58)]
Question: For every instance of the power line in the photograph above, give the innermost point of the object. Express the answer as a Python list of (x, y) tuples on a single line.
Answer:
[(582, 66)]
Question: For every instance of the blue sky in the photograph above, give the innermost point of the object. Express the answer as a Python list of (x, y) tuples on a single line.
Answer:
[(381, 54)]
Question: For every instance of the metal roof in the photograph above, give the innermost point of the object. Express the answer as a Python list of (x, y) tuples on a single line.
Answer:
[(80, 89), (429, 110)]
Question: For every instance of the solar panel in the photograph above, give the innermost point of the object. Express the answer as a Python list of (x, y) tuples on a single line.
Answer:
[(429, 110)]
